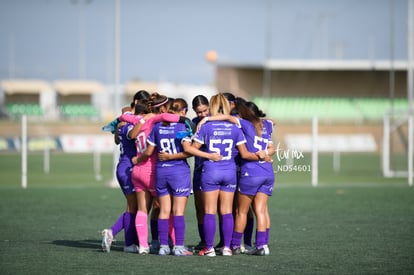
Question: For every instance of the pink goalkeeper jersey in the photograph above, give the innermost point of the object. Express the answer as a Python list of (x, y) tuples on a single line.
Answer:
[(141, 139)]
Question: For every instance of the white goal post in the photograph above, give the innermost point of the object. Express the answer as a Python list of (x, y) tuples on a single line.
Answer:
[(331, 143), (401, 122), (397, 126), (69, 143), (24, 151)]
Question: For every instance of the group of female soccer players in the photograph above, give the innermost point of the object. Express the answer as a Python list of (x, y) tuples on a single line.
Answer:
[(232, 174)]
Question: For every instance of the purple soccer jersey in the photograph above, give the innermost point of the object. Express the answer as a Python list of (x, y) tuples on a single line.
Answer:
[(220, 137), (124, 166), (172, 176), (256, 176), (127, 145)]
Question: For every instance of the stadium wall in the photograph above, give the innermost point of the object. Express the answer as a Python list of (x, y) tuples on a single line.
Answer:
[(56, 130), (248, 81)]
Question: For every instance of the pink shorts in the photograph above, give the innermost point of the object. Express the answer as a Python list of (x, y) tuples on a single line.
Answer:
[(143, 179)]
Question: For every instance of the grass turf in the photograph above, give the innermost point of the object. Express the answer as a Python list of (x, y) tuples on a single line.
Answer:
[(355, 222)]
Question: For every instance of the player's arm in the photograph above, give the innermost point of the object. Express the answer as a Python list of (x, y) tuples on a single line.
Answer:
[(267, 154), (229, 118), (151, 119), (144, 156), (194, 149), (138, 125), (185, 142), (245, 154), (163, 156), (116, 134), (131, 118)]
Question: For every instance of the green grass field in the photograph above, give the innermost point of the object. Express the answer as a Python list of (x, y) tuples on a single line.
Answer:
[(354, 222)]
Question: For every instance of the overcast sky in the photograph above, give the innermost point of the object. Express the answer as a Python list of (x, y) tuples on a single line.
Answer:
[(166, 40)]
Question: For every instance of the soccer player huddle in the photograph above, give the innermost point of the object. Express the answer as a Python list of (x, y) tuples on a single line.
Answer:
[(231, 142)]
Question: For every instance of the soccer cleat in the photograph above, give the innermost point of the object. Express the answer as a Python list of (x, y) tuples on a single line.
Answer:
[(209, 252), (202, 251), (200, 246), (219, 246), (226, 251), (257, 252), (164, 250), (154, 247), (107, 239), (246, 249), (131, 249), (237, 250), (266, 249), (182, 251), (143, 250)]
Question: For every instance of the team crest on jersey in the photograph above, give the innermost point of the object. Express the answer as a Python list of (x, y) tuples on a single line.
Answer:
[(222, 133), (166, 131)]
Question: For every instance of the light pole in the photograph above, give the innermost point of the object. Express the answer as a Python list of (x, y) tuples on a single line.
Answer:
[(267, 71), (392, 71), (117, 73), (12, 66)]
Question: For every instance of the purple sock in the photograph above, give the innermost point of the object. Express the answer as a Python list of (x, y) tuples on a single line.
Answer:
[(209, 229), (130, 234), (228, 226), (236, 239), (248, 232), (154, 229), (260, 239), (163, 231), (201, 232), (118, 225), (179, 227)]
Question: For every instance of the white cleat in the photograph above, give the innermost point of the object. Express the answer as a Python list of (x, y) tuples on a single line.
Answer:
[(107, 239), (266, 249), (143, 250), (164, 250), (226, 251)]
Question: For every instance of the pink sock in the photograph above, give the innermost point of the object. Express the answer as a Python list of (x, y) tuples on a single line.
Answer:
[(141, 225), (171, 231)]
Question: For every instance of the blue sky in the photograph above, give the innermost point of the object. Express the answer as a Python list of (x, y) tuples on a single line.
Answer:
[(165, 40)]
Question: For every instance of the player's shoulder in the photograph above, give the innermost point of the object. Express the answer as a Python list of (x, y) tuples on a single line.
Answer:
[(269, 121), (196, 120), (157, 125), (245, 122)]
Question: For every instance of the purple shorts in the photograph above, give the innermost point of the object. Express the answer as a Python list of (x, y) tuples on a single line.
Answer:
[(253, 185), (143, 179), (123, 175), (175, 182), (224, 180)]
